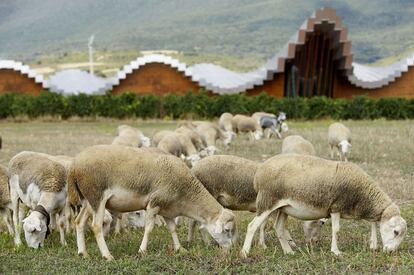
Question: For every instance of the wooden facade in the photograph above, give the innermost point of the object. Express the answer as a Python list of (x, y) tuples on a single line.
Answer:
[(156, 78), (16, 82)]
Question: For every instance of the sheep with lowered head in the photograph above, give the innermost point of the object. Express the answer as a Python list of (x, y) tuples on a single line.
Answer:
[(246, 124), (124, 179), (309, 188), (39, 182), (339, 136), (211, 133), (181, 146), (296, 144), (230, 180), (130, 136), (5, 201)]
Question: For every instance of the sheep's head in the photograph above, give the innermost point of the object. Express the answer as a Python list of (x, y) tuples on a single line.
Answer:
[(223, 230), (312, 230), (35, 228), (137, 219), (344, 147), (392, 232), (281, 116), (146, 141), (229, 137), (192, 159)]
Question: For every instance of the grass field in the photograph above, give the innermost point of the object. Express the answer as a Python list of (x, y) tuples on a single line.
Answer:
[(385, 149)]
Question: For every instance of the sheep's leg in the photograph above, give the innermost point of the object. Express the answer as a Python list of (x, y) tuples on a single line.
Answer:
[(97, 227), (68, 215), (335, 217), (149, 226), (191, 226), (373, 242), (251, 229), (332, 151), (6, 219), (80, 223), (262, 242), (117, 223), (61, 226), (15, 207), (281, 233), (173, 229)]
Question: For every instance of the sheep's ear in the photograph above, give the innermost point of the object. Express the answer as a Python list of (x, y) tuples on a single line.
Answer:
[(38, 227)]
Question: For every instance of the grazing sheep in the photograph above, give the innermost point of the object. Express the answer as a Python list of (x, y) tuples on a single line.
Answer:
[(160, 135), (230, 180), (178, 145), (210, 133), (39, 183), (297, 145), (307, 187), (246, 124), (196, 139), (130, 136), (225, 122), (339, 136), (124, 179), (5, 201)]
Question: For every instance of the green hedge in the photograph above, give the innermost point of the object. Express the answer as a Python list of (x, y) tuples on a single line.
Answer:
[(200, 105)]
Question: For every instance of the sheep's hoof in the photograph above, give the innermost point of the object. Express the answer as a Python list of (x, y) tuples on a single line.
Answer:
[(290, 252), (336, 252), (64, 243), (244, 254), (141, 252), (108, 258), (83, 254)]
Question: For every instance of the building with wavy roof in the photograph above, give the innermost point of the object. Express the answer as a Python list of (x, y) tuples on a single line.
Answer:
[(19, 78)]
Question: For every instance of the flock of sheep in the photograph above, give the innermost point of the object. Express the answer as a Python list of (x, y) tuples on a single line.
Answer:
[(182, 177)]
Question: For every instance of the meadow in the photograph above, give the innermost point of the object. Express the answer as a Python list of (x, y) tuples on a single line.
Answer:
[(385, 149)]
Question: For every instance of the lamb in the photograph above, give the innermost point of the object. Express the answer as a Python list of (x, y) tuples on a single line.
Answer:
[(246, 124), (210, 133), (308, 187), (124, 179), (230, 180), (130, 136), (339, 136), (39, 182), (297, 145), (5, 201)]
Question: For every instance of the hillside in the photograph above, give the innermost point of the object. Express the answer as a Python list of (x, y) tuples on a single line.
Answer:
[(254, 29)]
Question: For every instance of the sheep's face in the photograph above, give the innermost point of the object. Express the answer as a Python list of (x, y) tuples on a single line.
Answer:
[(146, 141), (284, 127), (224, 229), (281, 116), (258, 134), (312, 230), (345, 147), (392, 233), (193, 159), (137, 219), (34, 231), (229, 137)]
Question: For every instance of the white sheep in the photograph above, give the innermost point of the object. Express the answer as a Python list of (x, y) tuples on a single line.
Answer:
[(339, 136), (196, 139), (160, 135), (246, 124), (310, 188), (296, 144), (180, 145), (124, 179), (230, 180), (39, 183), (5, 201), (225, 122), (211, 133), (130, 136)]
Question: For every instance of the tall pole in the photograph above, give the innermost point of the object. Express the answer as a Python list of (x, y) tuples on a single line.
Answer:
[(90, 54)]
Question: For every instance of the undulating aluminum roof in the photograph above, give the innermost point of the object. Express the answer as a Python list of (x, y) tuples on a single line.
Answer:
[(76, 81), (22, 69)]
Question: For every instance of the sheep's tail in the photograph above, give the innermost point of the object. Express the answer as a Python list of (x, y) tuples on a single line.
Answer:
[(74, 193)]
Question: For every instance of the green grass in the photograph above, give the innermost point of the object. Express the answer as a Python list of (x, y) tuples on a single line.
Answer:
[(383, 148)]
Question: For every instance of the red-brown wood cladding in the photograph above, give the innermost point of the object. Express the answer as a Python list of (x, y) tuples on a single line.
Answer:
[(156, 78), (14, 82)]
